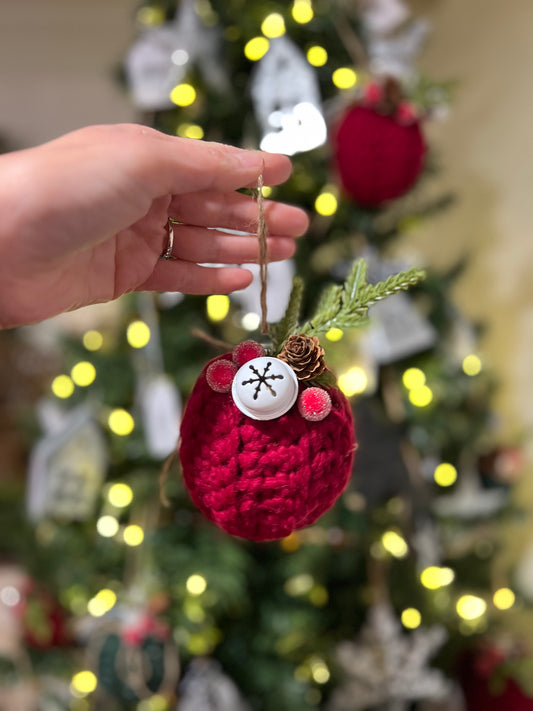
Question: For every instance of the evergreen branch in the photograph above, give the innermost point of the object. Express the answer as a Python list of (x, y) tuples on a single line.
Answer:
[(350, 307), (289, 323)]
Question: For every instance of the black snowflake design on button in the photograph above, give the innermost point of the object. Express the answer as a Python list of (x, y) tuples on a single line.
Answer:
[(262, 379)]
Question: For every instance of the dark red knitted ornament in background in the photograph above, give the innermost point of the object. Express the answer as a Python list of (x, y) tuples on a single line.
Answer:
[(263, 479), (377, 157)]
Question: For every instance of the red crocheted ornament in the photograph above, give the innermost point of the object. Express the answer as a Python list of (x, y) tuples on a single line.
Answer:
[(263, 479), (378, 159)]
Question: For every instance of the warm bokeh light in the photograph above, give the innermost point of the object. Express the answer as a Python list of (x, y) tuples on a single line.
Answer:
[(256, 48), (334, 334), (250, 321), (421, 397), (121, 422), (93, 340), (183, 95), (299, 584), (190, 130), (217, 307), (470, 607), (435, 577), (302, 11), (394, 544), (326, 204), (504, 598), (62, 386), (472, 365), (84, 682), (138, 334), (83, 373), (150, 15), (196, 584), (445, 474), (317, 56), (320, 671), (133, 535), (273, 25), (411, 618), (413, 378), (344, 78), (107, 526), (120, 495), (353, 382), (267, 191), (101, 603)]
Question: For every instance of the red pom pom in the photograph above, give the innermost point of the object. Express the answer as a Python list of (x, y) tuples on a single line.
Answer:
[(314, 404), (247, 350), (378, 159), (263, 479), (220, 374)]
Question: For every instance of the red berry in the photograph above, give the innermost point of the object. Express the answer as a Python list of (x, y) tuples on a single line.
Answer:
[(314, 404), (247, 350), (220, 374)]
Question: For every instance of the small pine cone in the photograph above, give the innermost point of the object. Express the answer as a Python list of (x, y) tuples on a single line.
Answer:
[(305, 356)]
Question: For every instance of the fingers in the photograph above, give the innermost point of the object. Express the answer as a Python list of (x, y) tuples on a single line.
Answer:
[(185, 165), (237, 212), (196, 244), (195, 279)]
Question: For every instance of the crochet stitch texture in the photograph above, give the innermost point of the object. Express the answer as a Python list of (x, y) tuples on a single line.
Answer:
[(262, 480)]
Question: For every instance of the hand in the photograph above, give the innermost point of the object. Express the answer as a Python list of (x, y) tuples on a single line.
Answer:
[(84, 218)]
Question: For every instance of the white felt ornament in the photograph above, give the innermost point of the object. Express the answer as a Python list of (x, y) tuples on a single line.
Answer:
[(287, 102)]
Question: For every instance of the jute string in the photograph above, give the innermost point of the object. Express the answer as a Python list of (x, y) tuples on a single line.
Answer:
[(263, 257)]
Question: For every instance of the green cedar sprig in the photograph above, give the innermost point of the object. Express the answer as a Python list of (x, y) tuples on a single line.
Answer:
[(341, 306)]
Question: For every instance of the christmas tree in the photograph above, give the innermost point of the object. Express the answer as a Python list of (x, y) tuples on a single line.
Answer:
[(115, 583)]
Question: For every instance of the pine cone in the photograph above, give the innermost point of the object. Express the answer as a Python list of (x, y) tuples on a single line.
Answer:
[(305, 356)]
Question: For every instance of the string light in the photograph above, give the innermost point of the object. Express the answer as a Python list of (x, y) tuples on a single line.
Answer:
[(183, 95), (83, 373), (413, 378), (154, 703), (138, 334), (83, 683), (299, 585), (256, 48), (217, 307), (445, 474), (62, 386), (504, 598), (273, 25), (326, 204), (470, 607), (93, 340), (421, 397), (344, 78), (291, 543), (472, 365), (318, 596), (250, 321), (196, 584), (302, 11), (198, 645), (334, 334), (150, 15), (190, 130), (120, 495), (133, 535), (353, 382), (121, 422), (267, 191), (107, 526), (435, 577), (394, 544), (317, 56), (411, 618), (320, 671), (101, 603)]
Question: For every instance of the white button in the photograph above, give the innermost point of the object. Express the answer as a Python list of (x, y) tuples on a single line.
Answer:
[(265, 388)]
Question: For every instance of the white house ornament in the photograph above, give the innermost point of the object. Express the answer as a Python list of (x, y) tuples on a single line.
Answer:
[(287, 102)]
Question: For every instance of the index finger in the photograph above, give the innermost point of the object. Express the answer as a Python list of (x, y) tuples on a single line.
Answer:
[(186, 165)]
